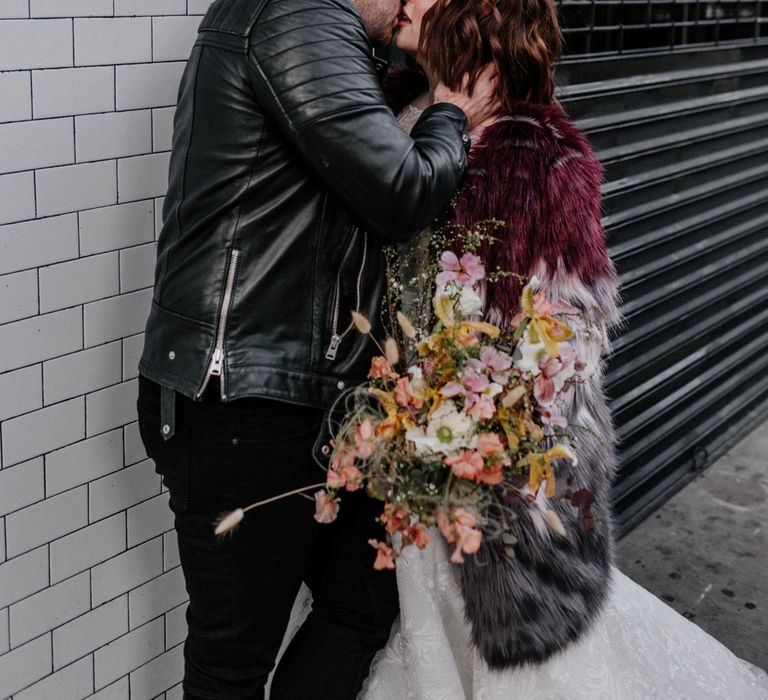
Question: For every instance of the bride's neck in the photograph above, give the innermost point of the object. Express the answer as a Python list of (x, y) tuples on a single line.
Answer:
[(428, 98)]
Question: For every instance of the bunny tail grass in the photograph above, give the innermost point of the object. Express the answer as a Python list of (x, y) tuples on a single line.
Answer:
[(229, 522)]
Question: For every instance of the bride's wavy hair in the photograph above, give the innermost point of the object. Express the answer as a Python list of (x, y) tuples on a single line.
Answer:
[(522, 38)]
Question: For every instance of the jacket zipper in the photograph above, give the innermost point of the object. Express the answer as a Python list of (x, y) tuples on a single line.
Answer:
[(216, 365), (337, 337)]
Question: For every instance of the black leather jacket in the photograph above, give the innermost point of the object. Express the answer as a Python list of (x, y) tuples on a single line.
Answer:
[(288, 174)]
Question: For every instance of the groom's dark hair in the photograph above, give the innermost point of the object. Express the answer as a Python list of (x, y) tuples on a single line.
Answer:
[(521, 37)]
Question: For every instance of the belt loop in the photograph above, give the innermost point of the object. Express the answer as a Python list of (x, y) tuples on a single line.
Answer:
[(167, 412)]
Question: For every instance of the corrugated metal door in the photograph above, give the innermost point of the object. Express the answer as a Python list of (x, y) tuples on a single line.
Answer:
[(683, 133)]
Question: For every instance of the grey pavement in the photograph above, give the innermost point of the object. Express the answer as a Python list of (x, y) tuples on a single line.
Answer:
[(705, 551)]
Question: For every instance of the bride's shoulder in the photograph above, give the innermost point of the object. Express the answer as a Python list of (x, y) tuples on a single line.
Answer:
[(543, 133)]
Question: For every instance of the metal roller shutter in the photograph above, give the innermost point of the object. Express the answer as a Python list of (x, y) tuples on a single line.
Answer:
[(683, 133)]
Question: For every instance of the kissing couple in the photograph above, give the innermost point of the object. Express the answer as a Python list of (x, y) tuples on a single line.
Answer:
[(297, 160)]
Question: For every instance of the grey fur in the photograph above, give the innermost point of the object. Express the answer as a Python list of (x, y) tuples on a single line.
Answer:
[(524, 610)]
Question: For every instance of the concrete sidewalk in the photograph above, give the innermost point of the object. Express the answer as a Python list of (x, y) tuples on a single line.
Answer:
[(705, 551)]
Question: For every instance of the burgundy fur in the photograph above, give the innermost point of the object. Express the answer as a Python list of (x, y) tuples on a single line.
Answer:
[(544, 183)]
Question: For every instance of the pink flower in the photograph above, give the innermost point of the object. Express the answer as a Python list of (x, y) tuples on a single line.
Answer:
[(466, 271), (466, 465), (452, 389), (477, 383), (326, 507), (365, 438), (549, 418), (385, 556), (481, 407), (544, 390), (497, 362), (550, 366)]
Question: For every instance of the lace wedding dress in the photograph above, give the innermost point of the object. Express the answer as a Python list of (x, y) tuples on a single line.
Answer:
[(638, 649)]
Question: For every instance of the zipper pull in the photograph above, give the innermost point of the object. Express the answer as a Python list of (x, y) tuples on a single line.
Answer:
[(217, 362), (333, 347)]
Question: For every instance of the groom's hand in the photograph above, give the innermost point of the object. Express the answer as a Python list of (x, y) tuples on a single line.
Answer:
[(481, 103)]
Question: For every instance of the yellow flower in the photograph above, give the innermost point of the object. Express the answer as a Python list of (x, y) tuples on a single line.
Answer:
[(444, 311), (396, 420), (543, 327), (541, 468)]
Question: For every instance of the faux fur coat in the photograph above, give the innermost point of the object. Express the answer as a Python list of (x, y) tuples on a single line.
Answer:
[(535, 170)]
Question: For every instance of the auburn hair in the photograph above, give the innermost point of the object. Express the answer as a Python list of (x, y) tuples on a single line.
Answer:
[(522, 38)]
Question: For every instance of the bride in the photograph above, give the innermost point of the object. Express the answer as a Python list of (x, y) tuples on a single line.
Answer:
[(599, 635), (559, 620)]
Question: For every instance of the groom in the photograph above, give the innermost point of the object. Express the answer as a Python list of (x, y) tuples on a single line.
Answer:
[(288, 174)]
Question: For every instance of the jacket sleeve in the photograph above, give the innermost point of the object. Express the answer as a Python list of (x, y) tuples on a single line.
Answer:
[(311, 68)]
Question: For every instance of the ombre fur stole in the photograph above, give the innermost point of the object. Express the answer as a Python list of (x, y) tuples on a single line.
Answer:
[(535, 170)]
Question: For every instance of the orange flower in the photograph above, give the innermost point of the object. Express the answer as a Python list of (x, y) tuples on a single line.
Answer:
[(352, 477), (385, 556), (404, 394), (387, 429), (467, 541), (459, 526), (489, 444), (491, 474), (343, 457), (326, 507), (381, 369), (420, 535), (334, 480), (394, 517), (364, 438), (445, 526), (463, 517), (466, 465)]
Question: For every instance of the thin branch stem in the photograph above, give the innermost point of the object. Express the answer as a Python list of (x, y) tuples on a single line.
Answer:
[(283, 495)]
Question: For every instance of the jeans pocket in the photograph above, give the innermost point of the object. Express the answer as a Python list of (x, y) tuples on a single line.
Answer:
[(171, 457), (269, 421)]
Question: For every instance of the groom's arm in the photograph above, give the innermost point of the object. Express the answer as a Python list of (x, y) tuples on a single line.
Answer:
[(313, 74)]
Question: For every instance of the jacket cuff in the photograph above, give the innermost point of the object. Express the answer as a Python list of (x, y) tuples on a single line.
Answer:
[(458, 118)]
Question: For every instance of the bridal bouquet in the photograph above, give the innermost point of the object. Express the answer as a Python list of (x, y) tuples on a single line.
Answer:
[(456, 425), (450, 429)]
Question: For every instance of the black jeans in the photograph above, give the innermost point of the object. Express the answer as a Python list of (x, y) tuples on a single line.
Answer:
[(241, 589)]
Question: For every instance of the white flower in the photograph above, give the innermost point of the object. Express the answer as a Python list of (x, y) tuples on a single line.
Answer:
[(493, 389), (469, 302), (447, 431), (529, 354), (418, 385)]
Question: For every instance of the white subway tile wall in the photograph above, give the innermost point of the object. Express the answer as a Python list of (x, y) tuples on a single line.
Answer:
[(92, 598)]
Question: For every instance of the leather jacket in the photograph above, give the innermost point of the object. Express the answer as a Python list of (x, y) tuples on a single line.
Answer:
[(288, 174)]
